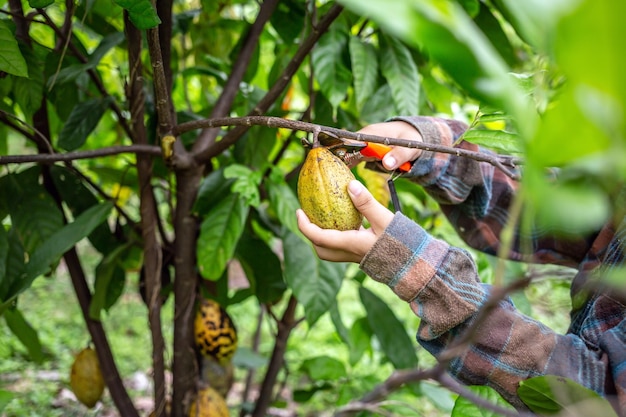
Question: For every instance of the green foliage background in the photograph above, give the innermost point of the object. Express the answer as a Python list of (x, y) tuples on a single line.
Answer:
[(539, 80)]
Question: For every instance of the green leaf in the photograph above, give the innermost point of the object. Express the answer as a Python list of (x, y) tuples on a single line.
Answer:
[(213, 189), (283, 201), (35, 217), (4, 254), (255, 147), (364, 69), (333, 76), (570, 208), (389, 331), (247, 358), (324, 368), (79, 198), (81, 122), (141, 12), (5, 398), (400, 71), (463, 407), (314, 282), (445, 32), (262, 267), (25, 333), (342, 331), (246, 183), (360, 339), (11, 59), (496, 140), (550, 394), (109, 282), (60, 242), (15, 266), (491, 27), (29, 92), (40, 4), (219, 232)]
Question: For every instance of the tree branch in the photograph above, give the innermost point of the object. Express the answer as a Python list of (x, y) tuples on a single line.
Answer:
[(152, 259), (503, 162), (73, 156), (265, 103), (285, 327)]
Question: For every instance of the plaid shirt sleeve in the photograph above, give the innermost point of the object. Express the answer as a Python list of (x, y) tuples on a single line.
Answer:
[(475, 196), (441, 285)]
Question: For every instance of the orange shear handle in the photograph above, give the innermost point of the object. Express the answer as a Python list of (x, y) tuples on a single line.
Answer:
[(378, 150)]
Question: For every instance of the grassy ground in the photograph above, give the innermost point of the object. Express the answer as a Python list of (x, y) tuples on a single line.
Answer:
[(51, 308)]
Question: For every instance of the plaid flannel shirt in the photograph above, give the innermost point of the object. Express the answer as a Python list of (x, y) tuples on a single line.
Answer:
[(441, 284)]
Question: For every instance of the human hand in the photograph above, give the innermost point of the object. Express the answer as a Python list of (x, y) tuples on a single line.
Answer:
[(396, 130), (349, 245)]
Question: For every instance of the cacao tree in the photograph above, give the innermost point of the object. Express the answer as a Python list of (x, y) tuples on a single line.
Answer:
[(169, 134)]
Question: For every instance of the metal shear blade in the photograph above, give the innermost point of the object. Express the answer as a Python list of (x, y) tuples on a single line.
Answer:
[(346, 149)]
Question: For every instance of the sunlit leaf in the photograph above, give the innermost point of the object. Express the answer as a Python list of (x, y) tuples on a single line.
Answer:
[(141, 12), (389, 331), (40, 4), (324, 368), (246, 183), (219, 232), (550, 394), (29, 91), (400, 71), (464, 407), (333, 76), (11, 59), (364, 69), (497, 140)]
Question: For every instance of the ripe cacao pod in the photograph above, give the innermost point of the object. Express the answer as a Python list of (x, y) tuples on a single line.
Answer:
[(86, 378), (208, 403), (215, 332), (323, 194)]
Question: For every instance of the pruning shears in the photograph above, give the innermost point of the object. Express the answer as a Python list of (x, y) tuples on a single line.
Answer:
[(353, 152)]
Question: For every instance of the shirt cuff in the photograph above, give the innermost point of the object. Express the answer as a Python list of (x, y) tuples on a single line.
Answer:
[(405, 257)]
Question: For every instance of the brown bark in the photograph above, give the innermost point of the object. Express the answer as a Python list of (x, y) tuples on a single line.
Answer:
[(152, 259)]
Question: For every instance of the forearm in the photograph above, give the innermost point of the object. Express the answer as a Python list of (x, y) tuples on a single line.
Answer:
[(441, 285)]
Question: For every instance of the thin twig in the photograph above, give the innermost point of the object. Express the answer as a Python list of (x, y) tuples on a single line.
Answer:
[(76, 155)]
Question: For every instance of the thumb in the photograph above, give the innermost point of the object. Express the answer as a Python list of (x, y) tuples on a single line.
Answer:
[(377, 214)]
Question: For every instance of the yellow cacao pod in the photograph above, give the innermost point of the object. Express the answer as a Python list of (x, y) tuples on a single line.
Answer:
[(209, 403), (86, 378), (323, 194)]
